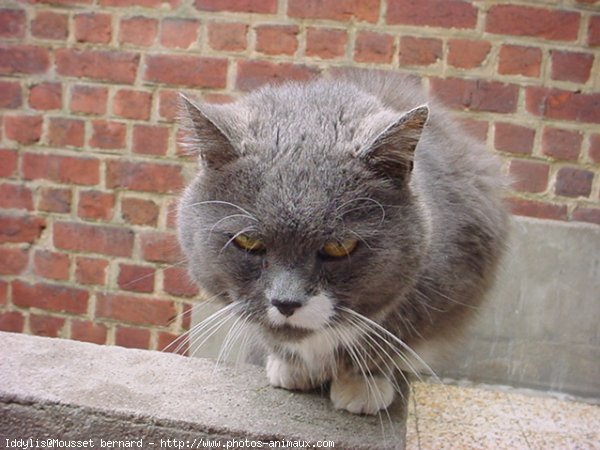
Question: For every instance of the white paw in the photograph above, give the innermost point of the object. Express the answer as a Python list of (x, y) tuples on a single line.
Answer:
[(354, 394), (284, 375)]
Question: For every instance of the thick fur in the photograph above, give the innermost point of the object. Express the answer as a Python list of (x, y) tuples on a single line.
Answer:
[(300, 164)]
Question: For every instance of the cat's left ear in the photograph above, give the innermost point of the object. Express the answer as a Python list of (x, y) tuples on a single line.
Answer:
[(392, 151)]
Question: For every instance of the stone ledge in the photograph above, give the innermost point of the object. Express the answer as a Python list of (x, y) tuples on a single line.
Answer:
[(54, 388)]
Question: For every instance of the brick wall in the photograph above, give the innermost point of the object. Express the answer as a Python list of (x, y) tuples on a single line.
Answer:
[(90, 168)]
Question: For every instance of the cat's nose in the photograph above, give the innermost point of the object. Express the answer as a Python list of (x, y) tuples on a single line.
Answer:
[(286, 307)]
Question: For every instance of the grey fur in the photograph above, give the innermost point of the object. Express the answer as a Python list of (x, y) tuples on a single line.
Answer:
[(303, 163)]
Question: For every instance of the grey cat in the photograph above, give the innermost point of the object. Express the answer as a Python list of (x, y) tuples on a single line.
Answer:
[(348, 220)]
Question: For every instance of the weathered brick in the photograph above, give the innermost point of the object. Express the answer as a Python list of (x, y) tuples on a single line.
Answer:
[(45, 96), (561, 144), (434, 13), (532, 208), (90, 270), (107, 65), (341, 10), (594, 31), (12, 23), (15, 196), (520, 60), (65, 132), (563, 105), (11, 321), (108, 240), (476, 128), (140, 176), (136, 278), (138, 30), (3, 292), (137, 211), (132, 104), (27, 59), (57, 200), (160, 247), (248, 6), (252, 74), (52, 265), (89, 99), (20, 228), (178, 33), (50, 25), (477, 95), (8, 162), (23, 129), (173, 343), (595, 147), (531, 21), (88, 331), (416, 51), (571, 66), (13, 261), (176, 282), (62, 169), (142, 3), (10, 94), (168, 105), (46, 325), (277, 39), (108, 134), (134, 309), (65, 2), (186, 70), (528, 176), (96, 205), (591, 215), (467, 53), (50, 297), (150, 139), (326, 43), (513, 138), (132, 337), (374, 47), (573, 182), (228, 37), (93, 27)]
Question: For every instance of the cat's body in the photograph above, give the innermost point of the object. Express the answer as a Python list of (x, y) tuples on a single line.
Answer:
[(311, 215)]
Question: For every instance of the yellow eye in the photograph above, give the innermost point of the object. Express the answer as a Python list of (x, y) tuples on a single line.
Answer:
[(248, 243), (339, 249)]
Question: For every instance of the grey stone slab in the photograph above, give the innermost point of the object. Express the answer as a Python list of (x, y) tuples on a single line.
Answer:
[(54, 388)]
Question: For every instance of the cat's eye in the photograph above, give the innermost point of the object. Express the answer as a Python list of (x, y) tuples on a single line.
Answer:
[(339, 249), (248, 243)]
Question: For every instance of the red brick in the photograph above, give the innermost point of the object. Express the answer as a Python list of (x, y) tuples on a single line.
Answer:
[(590, 215), (594, 31), (326, 43), (476, 128), (139, 212), (91, 270), (178, 33), (119, 67), (467, 53), (530, 21), (108, 240), (140, 176), (51, 265), (50, 297), (519, 60), (595, 148), (142, 3), (50, 25), (12, 23), (563, 105), (57, 200), (252, 74), (341, 10), (419, 51), (571, 66), (23, 129), (434, 13), (8, 162), (136, 278), (15, 196), (173, 343), (89, 99), (46, 325), (513, 138), (46, 96), (168, 105), (186, 70), (23, 59), (277, 39), (561, 144), (93, 27), (62, 169), (132, 337), (88, 331), (150, 139), (160, 247), (20, 228), (132, 104), (133, 309), (572, 182), (96, 205), (13, 261), (3, 292), (532, 208), (248, 6), (66, 2), (228, 37), (10, 94), (477, 95), (172, 208), (65, 132), (373, 47), (11, 321), (176, 282), (138, 31), (108, 134), (528, 176)]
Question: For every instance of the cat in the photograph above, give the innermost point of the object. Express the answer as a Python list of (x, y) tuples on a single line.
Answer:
[(348, 219)]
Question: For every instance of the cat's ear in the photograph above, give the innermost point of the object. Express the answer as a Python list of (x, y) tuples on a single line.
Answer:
[(208, 132), (392, 150)]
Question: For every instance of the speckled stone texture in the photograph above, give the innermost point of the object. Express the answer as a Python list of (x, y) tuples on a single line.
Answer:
[(53, 388)]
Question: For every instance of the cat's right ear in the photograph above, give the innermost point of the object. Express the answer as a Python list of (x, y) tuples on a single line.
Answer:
[(208, 131)]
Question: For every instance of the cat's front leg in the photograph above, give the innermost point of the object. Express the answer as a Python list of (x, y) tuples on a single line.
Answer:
[(287, 375), (362, 393)]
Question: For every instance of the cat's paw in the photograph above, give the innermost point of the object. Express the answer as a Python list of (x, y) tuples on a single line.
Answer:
[(359, 396), (282, 374)]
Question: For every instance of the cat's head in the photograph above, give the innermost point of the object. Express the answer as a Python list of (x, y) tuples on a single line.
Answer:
[(303, 204)]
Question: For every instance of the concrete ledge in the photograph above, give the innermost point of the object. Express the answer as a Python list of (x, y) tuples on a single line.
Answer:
[(54, 388)]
